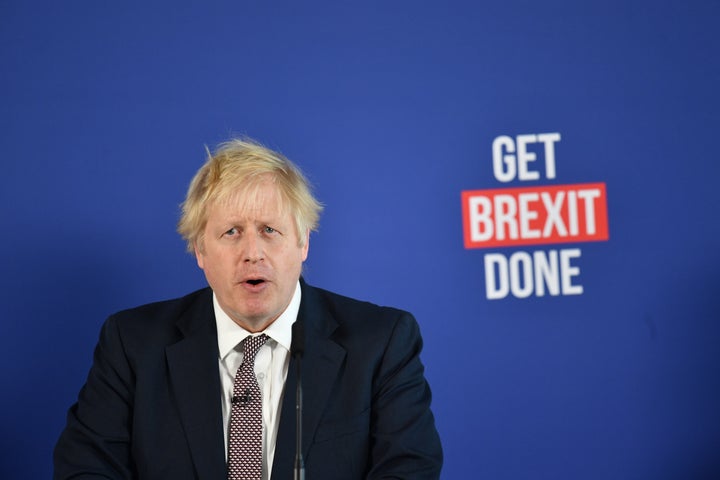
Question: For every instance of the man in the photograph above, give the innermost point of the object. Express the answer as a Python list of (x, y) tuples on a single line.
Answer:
[(203, 387)]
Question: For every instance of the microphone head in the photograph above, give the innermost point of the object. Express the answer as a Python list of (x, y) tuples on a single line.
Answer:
[(297, 347)]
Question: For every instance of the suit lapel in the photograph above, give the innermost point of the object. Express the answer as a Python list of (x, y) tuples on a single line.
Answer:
[(194, 379), (320, 366)]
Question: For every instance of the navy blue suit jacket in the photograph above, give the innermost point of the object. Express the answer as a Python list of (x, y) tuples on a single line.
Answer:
[(151, 406)]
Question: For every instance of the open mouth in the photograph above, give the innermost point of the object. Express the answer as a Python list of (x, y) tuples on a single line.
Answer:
[(255, 282)]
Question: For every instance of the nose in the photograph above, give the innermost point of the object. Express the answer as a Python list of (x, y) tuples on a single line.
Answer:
[(252, 249)]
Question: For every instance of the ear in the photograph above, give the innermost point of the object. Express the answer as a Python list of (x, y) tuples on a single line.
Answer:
[(306, 246), (199, 256)]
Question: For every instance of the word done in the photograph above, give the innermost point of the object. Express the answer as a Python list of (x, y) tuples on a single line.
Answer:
[(538, 273)]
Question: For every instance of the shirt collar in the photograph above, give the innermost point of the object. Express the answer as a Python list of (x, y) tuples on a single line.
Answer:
[(230, 334)]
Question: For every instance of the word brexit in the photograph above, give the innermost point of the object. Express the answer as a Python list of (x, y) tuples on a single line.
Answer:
[(532, 215)]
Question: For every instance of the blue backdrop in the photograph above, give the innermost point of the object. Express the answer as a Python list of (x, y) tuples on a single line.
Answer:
[(392, 110)]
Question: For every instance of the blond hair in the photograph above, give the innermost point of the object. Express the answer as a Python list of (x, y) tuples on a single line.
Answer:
[(237, 167)]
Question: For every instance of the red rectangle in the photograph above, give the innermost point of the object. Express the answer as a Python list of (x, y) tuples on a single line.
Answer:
[(538, 215)]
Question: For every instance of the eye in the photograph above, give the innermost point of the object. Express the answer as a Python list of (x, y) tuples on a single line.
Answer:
[(269, 230), (231, 232)]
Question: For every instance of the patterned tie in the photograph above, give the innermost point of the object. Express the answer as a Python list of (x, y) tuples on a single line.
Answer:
[(245, 444)]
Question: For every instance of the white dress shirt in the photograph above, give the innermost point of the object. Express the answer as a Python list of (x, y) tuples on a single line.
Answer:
[(271, 368)]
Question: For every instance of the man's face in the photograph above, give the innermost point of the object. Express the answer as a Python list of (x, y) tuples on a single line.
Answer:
[(251, 257)]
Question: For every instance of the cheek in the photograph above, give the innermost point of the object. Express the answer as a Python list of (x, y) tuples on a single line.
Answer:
[(297, 255), (213, 262)]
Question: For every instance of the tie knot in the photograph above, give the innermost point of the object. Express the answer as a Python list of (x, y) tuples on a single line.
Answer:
[(251, 345)]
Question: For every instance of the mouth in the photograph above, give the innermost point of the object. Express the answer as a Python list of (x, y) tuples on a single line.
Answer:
[(254, 283)]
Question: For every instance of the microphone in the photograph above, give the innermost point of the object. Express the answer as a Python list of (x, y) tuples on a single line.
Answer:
[(297, 349), (243, 399)]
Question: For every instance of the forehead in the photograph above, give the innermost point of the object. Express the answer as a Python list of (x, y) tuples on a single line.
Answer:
[(260, 199)]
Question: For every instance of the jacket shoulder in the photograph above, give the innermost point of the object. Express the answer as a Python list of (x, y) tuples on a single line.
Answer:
[(163, 320), (350, 318), (348, 305)]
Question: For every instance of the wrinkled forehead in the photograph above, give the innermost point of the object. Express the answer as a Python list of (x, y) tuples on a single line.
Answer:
[(257, 196)]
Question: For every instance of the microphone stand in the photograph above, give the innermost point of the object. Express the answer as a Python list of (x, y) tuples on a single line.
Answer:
[(298, 348)]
